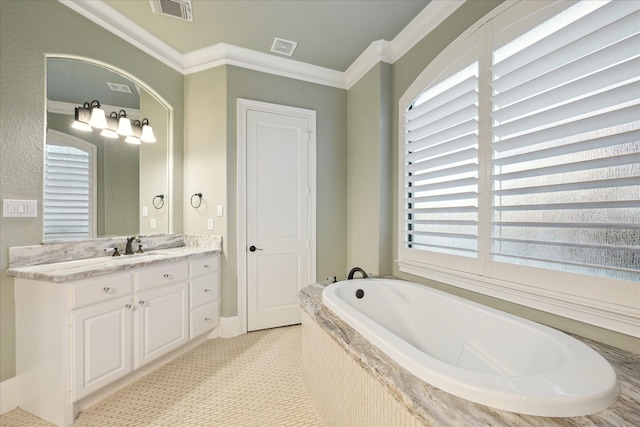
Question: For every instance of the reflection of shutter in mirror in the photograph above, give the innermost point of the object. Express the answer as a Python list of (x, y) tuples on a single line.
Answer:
[(68, 192)]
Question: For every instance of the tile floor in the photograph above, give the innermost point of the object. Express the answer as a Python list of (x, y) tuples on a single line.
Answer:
[(251, 380)]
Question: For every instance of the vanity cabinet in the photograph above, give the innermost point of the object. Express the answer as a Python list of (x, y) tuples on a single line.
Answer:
[(204, 294), (76, 337), (162, 321), (101, 344)]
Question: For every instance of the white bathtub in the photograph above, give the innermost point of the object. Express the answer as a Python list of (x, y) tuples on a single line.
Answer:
[(476, 352)]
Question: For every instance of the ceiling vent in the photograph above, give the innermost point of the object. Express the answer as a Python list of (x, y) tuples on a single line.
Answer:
[(180, 9), (119, 87), (283, 47)]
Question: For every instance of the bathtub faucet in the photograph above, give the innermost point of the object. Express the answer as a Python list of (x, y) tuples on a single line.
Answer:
[(354, 270)]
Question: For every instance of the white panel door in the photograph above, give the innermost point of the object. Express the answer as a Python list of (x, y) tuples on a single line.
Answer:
[(277, 217)]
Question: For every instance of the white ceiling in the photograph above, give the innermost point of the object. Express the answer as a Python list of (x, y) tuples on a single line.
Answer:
[(338, 40)]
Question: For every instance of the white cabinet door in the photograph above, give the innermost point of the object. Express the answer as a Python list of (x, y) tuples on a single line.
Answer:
[(162, 317), (102, 344)]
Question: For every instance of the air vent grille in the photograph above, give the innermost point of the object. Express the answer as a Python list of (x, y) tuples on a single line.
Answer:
[(283, 47), (180, 9), (119, 87)]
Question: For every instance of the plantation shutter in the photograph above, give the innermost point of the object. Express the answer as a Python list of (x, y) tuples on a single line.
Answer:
[(67, 197), (441, 167), (566, 143)]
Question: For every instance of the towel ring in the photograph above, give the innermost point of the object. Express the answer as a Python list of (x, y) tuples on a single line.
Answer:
[(158, 201), (199, 195)]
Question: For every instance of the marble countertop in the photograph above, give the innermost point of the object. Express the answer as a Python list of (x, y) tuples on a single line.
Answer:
[(85, 268), (435, 407)]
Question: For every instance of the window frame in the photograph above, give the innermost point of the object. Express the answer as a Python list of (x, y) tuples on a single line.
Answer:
[(584, 298)]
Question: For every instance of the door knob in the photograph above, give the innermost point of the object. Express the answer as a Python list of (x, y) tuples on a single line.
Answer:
[(253, 248)]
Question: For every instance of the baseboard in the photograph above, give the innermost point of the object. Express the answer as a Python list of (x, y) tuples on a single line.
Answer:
[(8, 395), (229, 327)]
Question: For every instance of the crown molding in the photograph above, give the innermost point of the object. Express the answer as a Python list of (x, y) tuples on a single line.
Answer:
[(424, 22), (113, 21), (225, 54), (378, 51)]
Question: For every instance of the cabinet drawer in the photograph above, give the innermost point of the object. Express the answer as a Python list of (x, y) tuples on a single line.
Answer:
[(100, 289), (152, 277), (204, 265), (204, 289), (204, 319)]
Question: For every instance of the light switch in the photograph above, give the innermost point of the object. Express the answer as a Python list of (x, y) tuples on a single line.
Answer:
[(145, 211), (152, 224), (19, 208), (210, 224), (219, 210)]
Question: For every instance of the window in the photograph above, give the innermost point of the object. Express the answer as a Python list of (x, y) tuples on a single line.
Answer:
[(521, 175), (69, 192)]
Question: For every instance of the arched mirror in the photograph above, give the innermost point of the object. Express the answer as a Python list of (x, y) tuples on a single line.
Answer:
[(101, 182)]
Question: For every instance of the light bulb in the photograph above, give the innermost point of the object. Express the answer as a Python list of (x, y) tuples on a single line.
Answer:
[(108, 133), (124, 127), (81, 126), (132, 140), (147, 132), (98, 119)]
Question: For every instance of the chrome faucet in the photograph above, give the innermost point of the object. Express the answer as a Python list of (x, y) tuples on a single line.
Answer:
[(354, 270), (129, 249)]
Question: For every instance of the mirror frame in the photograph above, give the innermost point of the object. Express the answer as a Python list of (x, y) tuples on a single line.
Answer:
[(154, 94)]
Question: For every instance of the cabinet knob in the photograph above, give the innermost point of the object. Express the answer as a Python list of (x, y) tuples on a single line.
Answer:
[(166, 276), (207, 290), (142, 303), (207, 266), (128, 306), (207, 319), (106, 289)]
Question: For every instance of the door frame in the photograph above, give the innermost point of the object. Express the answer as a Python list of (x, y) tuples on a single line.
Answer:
[(245, 105)]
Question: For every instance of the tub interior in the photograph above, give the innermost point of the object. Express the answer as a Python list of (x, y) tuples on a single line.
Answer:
[(478, 340)]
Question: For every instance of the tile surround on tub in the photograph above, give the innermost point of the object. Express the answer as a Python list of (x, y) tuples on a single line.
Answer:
[(52, 252)]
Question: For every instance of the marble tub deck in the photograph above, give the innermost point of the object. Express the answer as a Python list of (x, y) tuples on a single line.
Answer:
[(435, 407)]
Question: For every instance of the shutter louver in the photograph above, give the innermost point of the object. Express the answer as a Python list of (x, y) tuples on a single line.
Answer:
[(67, 194), (566, 145), (441, 152)]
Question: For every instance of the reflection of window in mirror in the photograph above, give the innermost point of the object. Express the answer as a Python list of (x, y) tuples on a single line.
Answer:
[(69, 191)]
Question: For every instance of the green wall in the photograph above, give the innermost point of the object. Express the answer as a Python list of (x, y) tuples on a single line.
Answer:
[(211, 98), (28, 31), (369, 169)]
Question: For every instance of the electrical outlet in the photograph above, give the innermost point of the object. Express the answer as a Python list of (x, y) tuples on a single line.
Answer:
[(210, 224)]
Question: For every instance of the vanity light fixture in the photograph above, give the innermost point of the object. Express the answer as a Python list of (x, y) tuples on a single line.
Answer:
[(82, 116), (124, 124), (132, 140), (110, 130), (98, 118), (90, 116), (147, 132)]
